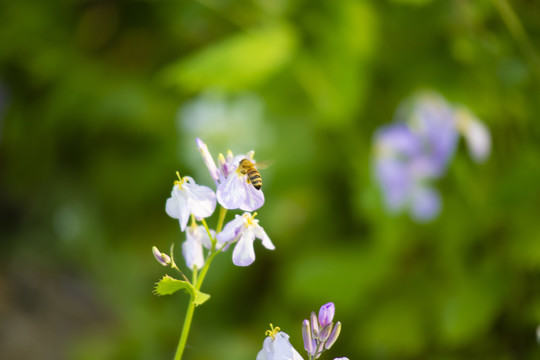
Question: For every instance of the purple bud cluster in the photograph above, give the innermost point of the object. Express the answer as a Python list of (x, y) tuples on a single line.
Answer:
[(320, 332)]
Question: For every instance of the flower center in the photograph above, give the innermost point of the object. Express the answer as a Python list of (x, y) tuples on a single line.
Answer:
[(180, 181), (272, 332), (250, 219)]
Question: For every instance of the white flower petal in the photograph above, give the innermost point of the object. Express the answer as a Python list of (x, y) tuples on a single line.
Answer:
[(266, 352), (204, 238), (476, 134), (244, 254), (177, 207), (253, 199), (278, 349), (208, 160), (201, 200), (192, 249), (231, 193), (261, 234), (174, 204), (478, 140), (231, 230)]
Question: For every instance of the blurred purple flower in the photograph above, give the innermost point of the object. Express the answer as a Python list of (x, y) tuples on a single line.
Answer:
[(433, 120), (416, 150)]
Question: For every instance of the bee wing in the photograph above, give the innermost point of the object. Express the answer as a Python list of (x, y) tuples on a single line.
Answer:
[(264, 164)]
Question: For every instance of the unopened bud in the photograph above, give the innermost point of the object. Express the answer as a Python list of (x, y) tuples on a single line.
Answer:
[(333, 336), (309, 344), (325, 332), (314, 325), (208, 160), (162, 258), (326, 314)]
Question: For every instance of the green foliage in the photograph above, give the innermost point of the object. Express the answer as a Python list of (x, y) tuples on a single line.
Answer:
[(236, 63), (168, 285), (100, 102)]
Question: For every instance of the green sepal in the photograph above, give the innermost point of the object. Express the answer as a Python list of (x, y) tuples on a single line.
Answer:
[(168, 285)]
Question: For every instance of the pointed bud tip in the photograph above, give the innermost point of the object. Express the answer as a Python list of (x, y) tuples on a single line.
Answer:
[(326, 314), (333, 336), (314, 324), (306, 335), (163, 259)]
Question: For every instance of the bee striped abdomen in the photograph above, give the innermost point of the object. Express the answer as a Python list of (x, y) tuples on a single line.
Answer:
[(255, 178)]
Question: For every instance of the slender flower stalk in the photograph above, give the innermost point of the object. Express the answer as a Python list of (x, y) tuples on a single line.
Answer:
[(198, 281)]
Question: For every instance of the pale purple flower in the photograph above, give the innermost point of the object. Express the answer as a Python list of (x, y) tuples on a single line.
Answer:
[(162, 258), (189, 198), (244, 229), (192, 248), (277, 347), (234, 191)]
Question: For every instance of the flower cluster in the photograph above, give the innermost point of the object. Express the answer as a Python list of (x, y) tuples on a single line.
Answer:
[(417, 148), (234, 191), (319, 334)]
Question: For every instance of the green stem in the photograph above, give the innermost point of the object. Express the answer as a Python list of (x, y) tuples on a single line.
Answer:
[(222, 213), (185, 330), (208, 231), (197, 282)]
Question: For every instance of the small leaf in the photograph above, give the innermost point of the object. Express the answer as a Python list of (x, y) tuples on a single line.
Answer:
[(168, 285)]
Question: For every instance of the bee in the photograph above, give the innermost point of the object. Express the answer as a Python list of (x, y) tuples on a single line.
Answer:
[(247, 167)]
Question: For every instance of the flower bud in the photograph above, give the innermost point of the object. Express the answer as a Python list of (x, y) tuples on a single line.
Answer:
[(325, 332), (162, 258), (309, 344), (315, 325), (208, 160), (326, 314), (333, 336)]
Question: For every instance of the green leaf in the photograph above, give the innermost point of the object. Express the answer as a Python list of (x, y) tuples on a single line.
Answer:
[(168, 285), (236, 63)]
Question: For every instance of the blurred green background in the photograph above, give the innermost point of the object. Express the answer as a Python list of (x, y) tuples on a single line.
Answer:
[(101, 102)]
